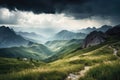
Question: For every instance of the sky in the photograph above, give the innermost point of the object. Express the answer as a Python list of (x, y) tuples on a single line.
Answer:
[(50, 16)]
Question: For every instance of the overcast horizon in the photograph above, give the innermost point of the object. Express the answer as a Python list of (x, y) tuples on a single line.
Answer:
[(52, 16)]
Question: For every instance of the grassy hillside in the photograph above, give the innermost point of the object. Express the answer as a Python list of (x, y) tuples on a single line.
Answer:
[(71, 63), (67, 47), (56, 45), (8, 65), (104, 71), (38, 52)]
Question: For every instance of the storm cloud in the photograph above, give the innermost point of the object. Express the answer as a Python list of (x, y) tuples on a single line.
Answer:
[(78, 8)]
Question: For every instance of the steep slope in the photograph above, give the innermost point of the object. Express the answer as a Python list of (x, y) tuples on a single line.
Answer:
[(8, 38), (68, 35), (94, 38), (35, 51)]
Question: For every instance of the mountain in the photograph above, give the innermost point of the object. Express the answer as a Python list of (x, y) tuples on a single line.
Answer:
[(68, 35), (103, 28), (8, 38), (115, 31), (87, 30), (34, 50), (94, 38), (32, 36)]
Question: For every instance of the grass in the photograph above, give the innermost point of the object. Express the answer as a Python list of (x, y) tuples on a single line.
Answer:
[(105, 71), (70, 63), (51, 71), (8, 65)]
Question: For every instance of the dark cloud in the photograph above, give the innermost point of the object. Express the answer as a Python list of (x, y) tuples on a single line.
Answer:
[(78, 8), (37, 6)]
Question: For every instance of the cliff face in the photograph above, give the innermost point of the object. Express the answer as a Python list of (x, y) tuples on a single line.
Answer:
[(94, 38)]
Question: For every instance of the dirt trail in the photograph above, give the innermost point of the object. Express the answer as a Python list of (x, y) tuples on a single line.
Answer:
[(72, 76), (80, 74), (115, 51)]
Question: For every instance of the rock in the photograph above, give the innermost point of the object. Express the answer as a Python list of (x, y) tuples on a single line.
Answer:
[(94, 38)]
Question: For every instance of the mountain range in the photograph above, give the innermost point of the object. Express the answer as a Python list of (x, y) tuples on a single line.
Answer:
[(103, 28), (32, 36), (98, 37), (68, 35), (14, 45)]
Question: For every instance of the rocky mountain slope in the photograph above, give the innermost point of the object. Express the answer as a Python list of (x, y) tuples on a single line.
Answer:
[(94, 38)]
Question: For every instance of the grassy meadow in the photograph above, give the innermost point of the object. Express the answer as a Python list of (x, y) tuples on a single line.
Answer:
[(99, 57)]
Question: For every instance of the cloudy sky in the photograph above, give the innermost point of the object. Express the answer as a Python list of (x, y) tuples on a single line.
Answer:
[(51, 16)]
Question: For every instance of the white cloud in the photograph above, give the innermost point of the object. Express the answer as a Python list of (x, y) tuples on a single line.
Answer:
[(47, 21)]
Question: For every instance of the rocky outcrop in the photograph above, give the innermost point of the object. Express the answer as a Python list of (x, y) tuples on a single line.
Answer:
[(94, 38)]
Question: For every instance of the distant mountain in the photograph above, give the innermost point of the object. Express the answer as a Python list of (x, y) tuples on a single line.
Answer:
[(68, 35), (33, 50), (94, 38), (32, 36), (87, 30), (103, 28), (8, 38)]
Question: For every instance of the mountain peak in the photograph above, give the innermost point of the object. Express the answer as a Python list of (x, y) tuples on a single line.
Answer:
[(106, 27), (68, 35), (64, 31), (8, 38)]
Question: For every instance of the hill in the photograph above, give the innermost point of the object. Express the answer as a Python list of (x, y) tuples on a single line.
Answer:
[(35, 51), (63, 48)]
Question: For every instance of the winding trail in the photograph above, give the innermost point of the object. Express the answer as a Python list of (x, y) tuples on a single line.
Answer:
[(72, 76), (81, 73)]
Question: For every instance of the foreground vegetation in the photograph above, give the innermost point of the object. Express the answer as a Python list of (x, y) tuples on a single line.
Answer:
[(101, 55), (104, 71)]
